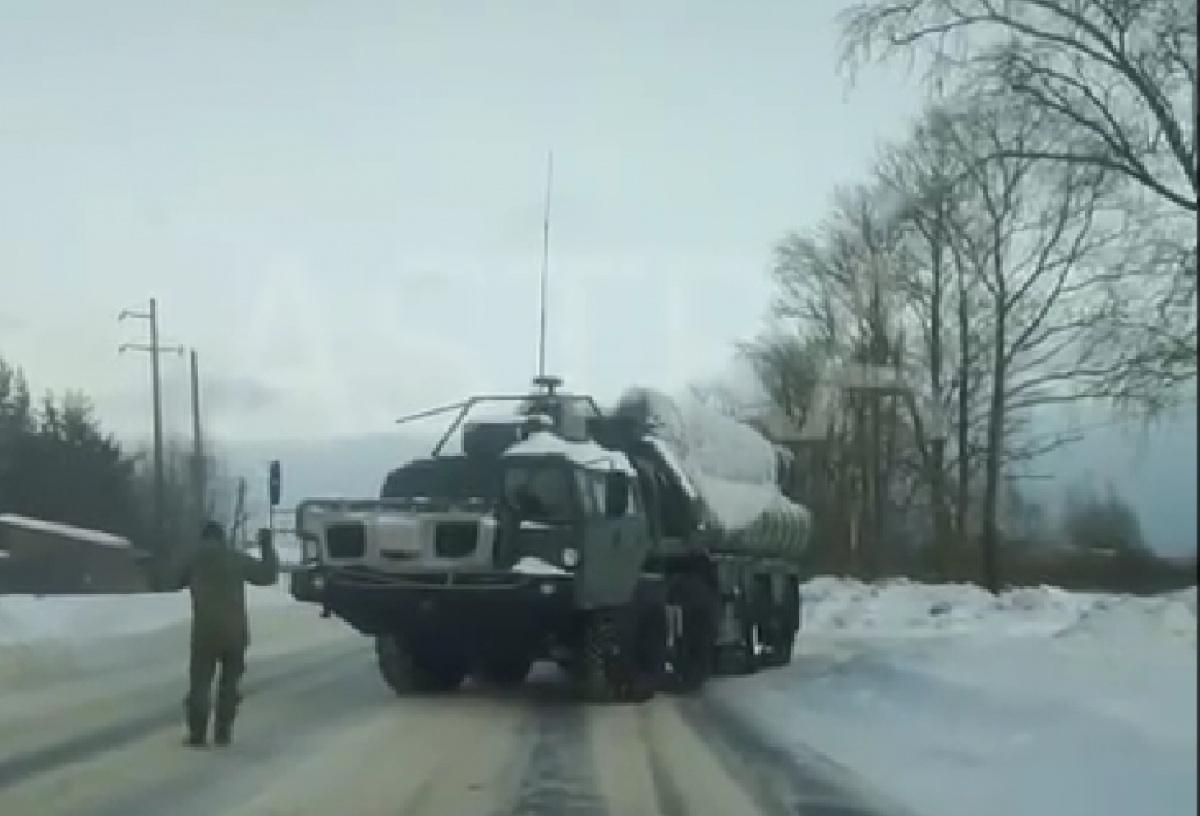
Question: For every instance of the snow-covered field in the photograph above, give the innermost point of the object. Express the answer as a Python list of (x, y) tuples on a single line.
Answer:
[(951, 701)]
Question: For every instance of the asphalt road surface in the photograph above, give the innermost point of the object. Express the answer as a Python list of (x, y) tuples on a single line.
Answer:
[(321, 734)]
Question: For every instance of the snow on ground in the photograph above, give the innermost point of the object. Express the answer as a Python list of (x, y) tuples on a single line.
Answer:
[(57, 639), (951, 701), (946, 699), (29, 619)]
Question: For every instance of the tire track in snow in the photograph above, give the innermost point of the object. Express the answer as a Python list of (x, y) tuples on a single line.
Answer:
[(791, 781), (560, 773)]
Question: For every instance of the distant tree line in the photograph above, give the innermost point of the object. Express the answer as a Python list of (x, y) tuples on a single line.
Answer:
[(1031, 242), (57, 463)]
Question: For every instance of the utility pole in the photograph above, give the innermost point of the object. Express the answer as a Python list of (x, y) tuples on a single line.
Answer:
[(239, 513), (199, 482), (154, 350)]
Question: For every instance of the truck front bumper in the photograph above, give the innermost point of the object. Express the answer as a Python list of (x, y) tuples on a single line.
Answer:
[(451, 604)]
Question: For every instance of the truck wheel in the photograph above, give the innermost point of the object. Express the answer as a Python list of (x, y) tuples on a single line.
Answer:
[(785, 621), (409, 671), (692, 658), (781, 652), (648, 656), (623, 654), (792, 615), (743, 657), (508, 671), (599, 664), (748, 659), (777, 646)]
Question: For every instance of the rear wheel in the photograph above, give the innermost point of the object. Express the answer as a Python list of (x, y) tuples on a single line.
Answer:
[(693, 653), (416, 671), (743, 656), (649, 645), (785, 624)]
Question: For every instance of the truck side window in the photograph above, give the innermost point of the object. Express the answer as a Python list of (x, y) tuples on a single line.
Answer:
[(635, 500), (593, 501), (596, 480), (539, 493)]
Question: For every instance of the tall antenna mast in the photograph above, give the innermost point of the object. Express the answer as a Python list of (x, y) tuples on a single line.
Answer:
[(545, 266)]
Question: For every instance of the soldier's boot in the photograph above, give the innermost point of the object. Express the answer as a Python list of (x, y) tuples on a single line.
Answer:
[(226, 711), (197, 721)]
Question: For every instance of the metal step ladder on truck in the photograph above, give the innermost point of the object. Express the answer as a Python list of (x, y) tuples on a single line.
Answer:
[(563, 533)]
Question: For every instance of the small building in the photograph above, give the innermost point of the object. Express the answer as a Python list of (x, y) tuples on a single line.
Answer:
[(46, 558)]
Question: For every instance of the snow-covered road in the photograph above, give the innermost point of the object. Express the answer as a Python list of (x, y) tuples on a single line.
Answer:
[(951, 701), (320, 733), (935, 701)]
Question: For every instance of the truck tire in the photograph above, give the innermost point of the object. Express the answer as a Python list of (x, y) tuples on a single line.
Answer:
[(506, 671), (692, 659), (624, 653), (598, 663), (778, 643), (649, 646), (410, 671), (744, 658), (785, 623), (781, 651)]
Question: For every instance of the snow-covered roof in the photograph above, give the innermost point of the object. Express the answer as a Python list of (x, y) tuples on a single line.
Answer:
[(586, 454), (824, 413), (63, 530)]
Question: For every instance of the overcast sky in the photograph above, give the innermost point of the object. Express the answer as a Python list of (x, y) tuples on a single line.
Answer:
[(339, 203)]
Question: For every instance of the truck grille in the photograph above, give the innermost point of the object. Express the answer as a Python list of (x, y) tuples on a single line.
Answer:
[(455, 539), (346, 540)]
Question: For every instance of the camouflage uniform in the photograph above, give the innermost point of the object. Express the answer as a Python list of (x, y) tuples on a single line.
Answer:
[(216, 575)]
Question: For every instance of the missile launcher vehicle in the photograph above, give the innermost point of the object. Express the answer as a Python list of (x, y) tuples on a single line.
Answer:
[(641, 549)]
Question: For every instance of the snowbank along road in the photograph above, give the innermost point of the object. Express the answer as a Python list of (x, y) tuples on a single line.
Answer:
[(320, 733)]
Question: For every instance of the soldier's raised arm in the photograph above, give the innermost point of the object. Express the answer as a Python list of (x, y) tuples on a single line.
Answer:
[(262, 571)]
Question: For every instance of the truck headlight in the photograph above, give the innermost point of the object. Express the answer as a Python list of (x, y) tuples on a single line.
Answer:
[(570, 557), (318, 582)]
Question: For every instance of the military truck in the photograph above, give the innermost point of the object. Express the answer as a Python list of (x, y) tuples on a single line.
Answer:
[(560, 532)]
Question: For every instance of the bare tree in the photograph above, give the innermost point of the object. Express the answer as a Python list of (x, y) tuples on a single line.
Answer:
[(1036, 248), (787, 367), (1116, 81), (838, 300), (926, 172), (1117, 78)]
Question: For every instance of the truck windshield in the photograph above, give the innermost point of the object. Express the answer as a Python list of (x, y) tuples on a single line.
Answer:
[(451, 477), (540, 492)]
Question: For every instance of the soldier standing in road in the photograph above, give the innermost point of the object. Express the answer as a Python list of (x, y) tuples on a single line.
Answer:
[(216, 575)]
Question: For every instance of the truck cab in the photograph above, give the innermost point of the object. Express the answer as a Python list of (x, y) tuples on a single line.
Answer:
[(495, 553)]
